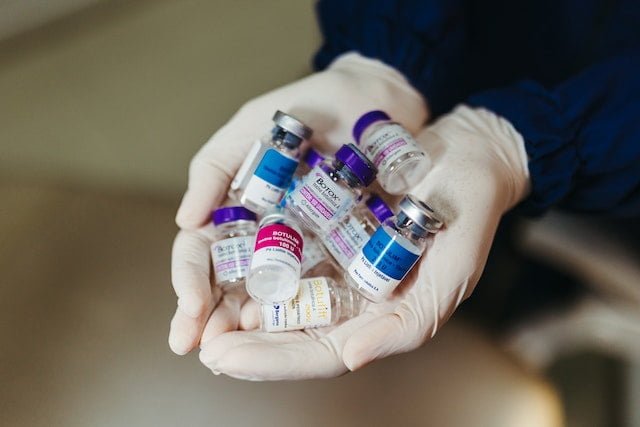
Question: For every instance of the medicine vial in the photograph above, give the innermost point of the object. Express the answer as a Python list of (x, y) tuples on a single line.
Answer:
[(331, 189), (235, 231), (392, 250), (320, 302), (400, 161), (275, 266), (310, 160), (313, 253), (266, 173), (345, 240)]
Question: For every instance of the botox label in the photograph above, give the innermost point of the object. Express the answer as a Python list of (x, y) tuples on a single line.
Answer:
[(345, 241), (311, 308), (278, 244), (312, 254), (322, 200), (231, 258), (246, 167), (270, 179), (388, 144), (382, 264)]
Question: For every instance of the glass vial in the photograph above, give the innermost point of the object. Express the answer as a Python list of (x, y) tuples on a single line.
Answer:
[(400, 161), (319, 302), (310, 160), (331, 189), (235, 232), (392, 250), (312, 253), (345, 240), (266, 173), (276, 261)]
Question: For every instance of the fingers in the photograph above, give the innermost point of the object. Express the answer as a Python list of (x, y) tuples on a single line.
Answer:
[(292, 355), (250, 315), (226, 316), (185, 331), (190, 270)]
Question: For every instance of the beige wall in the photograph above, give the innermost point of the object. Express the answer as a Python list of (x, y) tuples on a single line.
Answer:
[(120, 96)]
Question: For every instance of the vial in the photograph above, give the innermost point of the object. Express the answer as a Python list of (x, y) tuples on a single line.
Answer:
[(275, 266), (345, 240), (331, 189), (320, 302), (310, 160), (235, 231), (266, 173), (392, 250), (396, 154), (313, 253)]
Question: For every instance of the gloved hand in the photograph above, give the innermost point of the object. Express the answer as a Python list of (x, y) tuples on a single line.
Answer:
[(479, 172), (330, 102)]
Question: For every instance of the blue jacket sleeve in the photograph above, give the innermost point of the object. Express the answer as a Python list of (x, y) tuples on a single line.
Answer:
[(582, 136), (422, 39)]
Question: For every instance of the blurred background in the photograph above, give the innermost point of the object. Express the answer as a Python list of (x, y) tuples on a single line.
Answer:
[(103, 103)]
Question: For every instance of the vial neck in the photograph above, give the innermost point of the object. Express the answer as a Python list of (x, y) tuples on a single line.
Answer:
[(280, 137), (409, 229), (344, 173)]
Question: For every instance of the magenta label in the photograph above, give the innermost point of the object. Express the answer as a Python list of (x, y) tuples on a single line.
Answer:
[(388, 150), (231, 265), (317, 204), (280, 236)]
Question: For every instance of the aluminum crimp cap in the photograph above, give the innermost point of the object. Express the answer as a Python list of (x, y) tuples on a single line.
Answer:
[(420, 213), (292, 124)]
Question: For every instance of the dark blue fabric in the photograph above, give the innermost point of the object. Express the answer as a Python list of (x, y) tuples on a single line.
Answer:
[(565, 73)]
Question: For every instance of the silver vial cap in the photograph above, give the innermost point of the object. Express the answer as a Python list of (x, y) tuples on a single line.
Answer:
[(420, 213), (293, 125)]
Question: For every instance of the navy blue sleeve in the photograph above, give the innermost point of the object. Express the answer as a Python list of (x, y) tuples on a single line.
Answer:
[(582, 136), (422, 39)]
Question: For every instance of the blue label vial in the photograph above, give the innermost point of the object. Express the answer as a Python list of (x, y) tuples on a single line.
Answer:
[(392, 250)]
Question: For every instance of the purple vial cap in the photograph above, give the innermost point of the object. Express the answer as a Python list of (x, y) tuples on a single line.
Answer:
[(312, 158), (232, 213), (379, 208), (361, 167), (367, 120)]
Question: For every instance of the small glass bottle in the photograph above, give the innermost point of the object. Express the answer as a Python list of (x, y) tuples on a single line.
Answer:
[(266, 173), (400, 161), (331, 189), (310, 160), (313, 252), (235, 232), (345, 240), (319, 302), (392, 250), (277, 258)]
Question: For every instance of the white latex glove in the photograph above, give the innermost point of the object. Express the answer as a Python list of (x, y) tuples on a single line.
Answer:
[(479, 172), (330, 102)]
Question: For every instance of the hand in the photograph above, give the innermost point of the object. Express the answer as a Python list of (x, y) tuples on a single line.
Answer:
[(479, 172), (330, 102)]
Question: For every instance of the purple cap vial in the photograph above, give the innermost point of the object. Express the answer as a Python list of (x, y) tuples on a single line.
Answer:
[(367, 120), (312, 158), (379, 208), (232, 213), (361, 167)]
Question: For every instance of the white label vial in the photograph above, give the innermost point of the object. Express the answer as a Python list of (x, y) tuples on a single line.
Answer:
[(311, 308), (345, 240), (231, 258)]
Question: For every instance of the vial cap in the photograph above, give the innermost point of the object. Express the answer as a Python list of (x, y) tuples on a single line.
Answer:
[(232, 213), (358, 163), (420, 213), (367, 120), (292, 124), (312, 158), (379, 208)]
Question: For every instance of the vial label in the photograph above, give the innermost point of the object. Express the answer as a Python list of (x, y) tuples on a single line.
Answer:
[(345, 241), (312, 255), (270, 179), (382, 264), (388, 144), (321, 199), (231, 257), (311, 308), (245, 168), (280, 245)]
